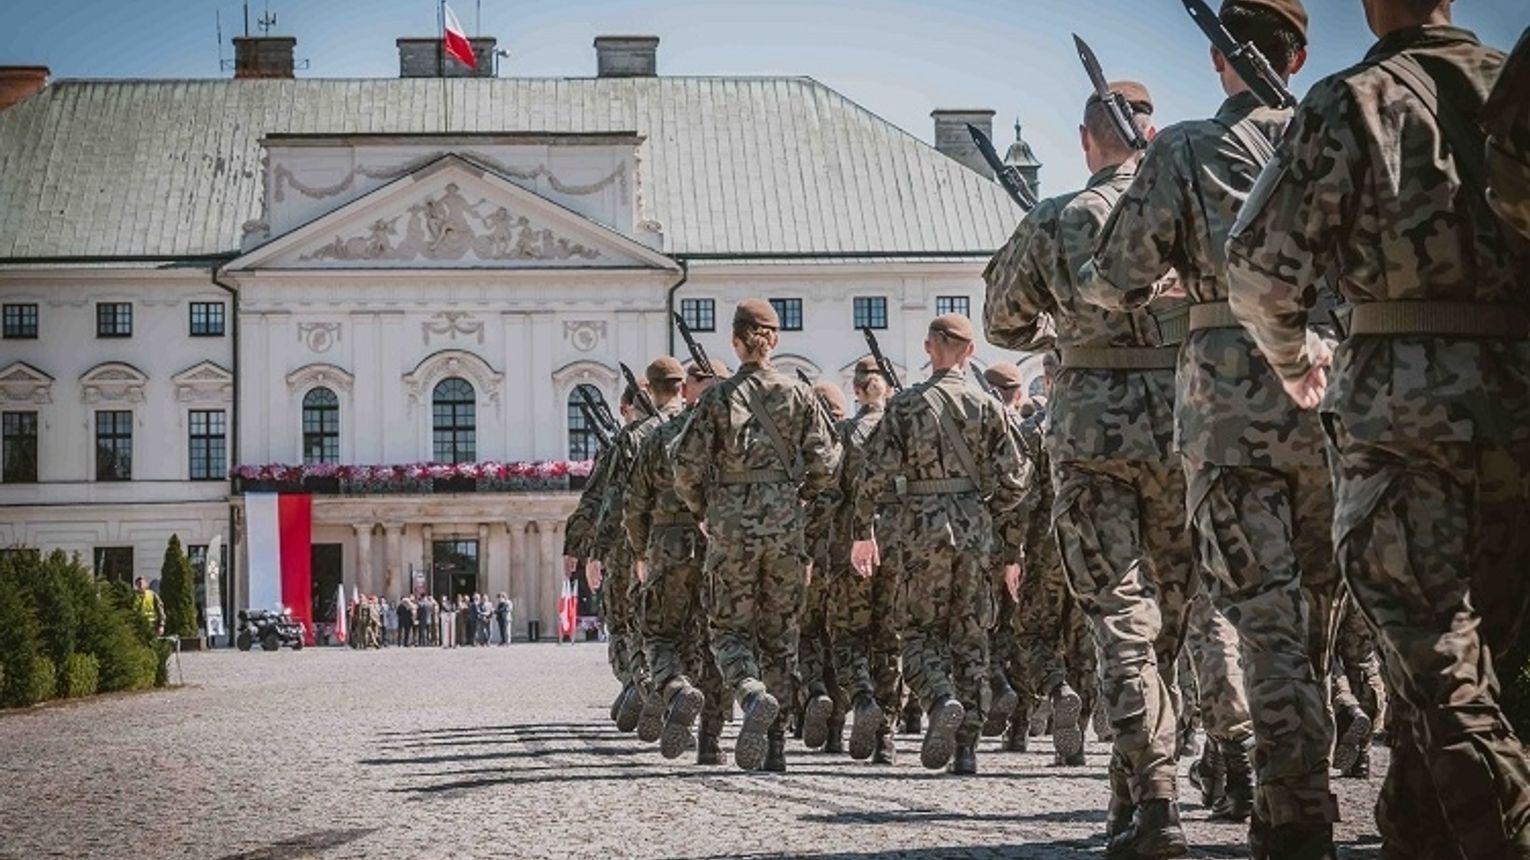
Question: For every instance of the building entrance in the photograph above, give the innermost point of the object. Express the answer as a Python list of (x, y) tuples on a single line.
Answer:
[(454, 567)]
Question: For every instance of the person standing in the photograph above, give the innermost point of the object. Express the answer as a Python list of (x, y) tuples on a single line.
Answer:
[(406, 621), (485, 618), (389, 621), (756, 446), (945, 448), (503, 609), (1379, 189), (425, 621), (146, 601)]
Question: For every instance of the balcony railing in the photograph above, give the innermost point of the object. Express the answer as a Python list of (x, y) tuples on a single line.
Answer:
[(412, 479)]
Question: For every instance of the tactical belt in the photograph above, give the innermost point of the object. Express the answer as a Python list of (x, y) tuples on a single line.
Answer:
[(940, 487), (1444, 319), (1212, 315), (1120, 358), (1173, 324), (754, 476), (672, 520)]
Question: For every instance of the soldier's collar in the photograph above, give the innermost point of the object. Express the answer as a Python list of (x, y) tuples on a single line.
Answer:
[(1236, 107), (1414, 37), (1105, 174)]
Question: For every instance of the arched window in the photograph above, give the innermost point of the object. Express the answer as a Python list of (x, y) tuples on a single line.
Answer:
[(321, 427), (582, 444), (454, 422)]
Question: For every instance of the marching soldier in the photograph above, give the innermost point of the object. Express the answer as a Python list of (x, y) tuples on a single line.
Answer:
[(755, 448), (944, 447), (1380, 182), (823, 715)]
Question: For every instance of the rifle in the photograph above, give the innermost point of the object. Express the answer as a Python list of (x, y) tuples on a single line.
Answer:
[(1007, 174), (1116, 105), (592, 423), (882, 363), (698, 355), (822, 401), (983, 383), (599, 411), (1245, 59), (639, 396)]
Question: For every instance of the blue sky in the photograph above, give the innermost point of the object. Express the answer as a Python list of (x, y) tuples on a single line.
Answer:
[(899, 59)]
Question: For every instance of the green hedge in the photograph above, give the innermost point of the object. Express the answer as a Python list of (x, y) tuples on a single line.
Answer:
[(81, 676), (178, 591)]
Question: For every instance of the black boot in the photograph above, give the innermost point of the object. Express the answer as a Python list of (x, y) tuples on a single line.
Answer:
[(750, 749), (912, 722), (631, 709), (1362, 768), (834, 743), (1118, 817), (946, 717), (1155, 834), (887, 749), (616, 706), (1354, 731), (1005, 700), (866, 730), (1067, 726), (684, 706), (775, 754), (651, 719), (1207, 774), (1237, 801), (708, 750), (1291, 841), (815, 721), (964, 763), (1016, 737)]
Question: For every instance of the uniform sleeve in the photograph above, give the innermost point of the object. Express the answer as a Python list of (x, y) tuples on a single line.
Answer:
[(884, 459), (820, 450), (579, 531), (1017, 313), (692, 453), (1012, 474), (642, 493), (608, 524), (1283, 244), (1142, 238)]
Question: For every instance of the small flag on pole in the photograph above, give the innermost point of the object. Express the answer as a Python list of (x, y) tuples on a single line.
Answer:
[(340, 612), (455, 39)]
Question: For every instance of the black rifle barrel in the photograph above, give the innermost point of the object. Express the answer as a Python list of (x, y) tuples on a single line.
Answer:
[(698, 355), (882, 363)]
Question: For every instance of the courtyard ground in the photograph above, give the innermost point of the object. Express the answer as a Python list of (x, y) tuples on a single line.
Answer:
[(502, 752)]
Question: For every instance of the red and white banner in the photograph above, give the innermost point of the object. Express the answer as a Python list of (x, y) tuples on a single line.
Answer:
[(455, 39), (568, 609), (341, 611), (280, 532)]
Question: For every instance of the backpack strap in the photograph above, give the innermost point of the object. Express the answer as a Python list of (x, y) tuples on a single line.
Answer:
[(762, 415), (940, 404), (1466, 138)]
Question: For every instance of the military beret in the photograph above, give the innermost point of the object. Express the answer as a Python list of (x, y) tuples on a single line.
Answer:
[(1136, 95), (756, 313), (1291, 10), (694, 370), (867, 367), (832, 393), (1002, 374), (664, 368), (953, 326)]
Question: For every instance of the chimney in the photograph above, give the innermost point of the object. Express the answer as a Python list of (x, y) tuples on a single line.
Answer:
[(19, 83), (627, 56), (952, 138), (427, 58), (263, 56)]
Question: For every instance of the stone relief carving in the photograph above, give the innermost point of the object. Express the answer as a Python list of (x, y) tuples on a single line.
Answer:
[(421, 381), (449, 324), (448, 228), (204, 382), (318, 336), (585, 335), (113, 381), (282, 178), (22, 383), (315, 375)]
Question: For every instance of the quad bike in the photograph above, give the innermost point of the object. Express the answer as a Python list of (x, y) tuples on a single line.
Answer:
[(271, 628)]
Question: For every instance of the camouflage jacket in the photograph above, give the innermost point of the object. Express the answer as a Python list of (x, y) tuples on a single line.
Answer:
[(1230, 408), (609, 534), (651, 487), (579, 530), (854, 432), (1096, 414), (1039, 493), (722, 437), (1507, 118), (1367, 184), (908, 444)]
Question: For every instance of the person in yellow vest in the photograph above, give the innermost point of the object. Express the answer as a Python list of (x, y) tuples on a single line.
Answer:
[(149, 605)]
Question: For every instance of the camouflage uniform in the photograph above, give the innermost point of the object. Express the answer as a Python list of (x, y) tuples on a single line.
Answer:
[(1219, 683), (1427, 407), (1259, 498), (578, 540), (1118, 513), (815, 648), (1507, 119)]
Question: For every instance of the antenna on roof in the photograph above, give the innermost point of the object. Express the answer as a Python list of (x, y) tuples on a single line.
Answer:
[(246, 19), (266, 23)]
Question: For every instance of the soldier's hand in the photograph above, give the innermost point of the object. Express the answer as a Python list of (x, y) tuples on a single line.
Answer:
[(642, 571), (570, 564), (592, 574), (1307, 391), (1012, 581), (865, 556), (810, 573), (702, 527)]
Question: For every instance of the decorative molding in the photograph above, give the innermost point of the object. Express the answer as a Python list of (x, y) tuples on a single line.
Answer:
[(487, 381), (113, 381), (585, 335), (443, 228), (205, 382), (449, 324), (585, 372), (318, 336), (282, 178), (22, 383), (314, 375)]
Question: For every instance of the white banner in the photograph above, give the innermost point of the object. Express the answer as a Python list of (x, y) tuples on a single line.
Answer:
[(212, 575), (264, 550)]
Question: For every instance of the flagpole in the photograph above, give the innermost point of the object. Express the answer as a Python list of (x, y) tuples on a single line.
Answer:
[(446, 115)]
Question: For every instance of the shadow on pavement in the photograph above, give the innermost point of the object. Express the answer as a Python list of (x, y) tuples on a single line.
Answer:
[(302, 846)]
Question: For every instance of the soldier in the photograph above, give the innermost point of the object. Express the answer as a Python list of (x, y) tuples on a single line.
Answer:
[(863, 621), (823, 716), (756, 446), (671, 548), (1119, 511), (1223, 773), (1359, 695), (1380, 183), (1259, 497), (944, 447), (1506, 117)]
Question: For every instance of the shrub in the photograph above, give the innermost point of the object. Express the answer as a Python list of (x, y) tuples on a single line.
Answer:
[(20, 649), (81, 676), (114, 634), (178, 591), (43, 684), (43, 581)]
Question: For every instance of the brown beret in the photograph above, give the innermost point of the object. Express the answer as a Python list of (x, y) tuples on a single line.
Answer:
[(832, 393), (756, 313), (1136, 95), (694, 370), (952, 325), (1002, 374), (867, 367), (664, 368), (1291, 10)]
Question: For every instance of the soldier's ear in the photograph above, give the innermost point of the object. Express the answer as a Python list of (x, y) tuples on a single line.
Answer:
[(1298, 61)]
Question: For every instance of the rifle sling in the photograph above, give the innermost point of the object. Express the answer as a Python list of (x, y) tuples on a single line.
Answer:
[(772, 432), (939, 402)]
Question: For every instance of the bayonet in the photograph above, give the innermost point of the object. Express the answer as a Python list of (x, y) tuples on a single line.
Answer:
[(1007, 174), (698, 355), (882, 363), (828, 407), (639, 396), (1116, 105), (600, 411), (1252, 67), (592, 423)]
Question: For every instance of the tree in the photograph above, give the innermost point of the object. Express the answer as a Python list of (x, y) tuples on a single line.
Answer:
[(177, 589)]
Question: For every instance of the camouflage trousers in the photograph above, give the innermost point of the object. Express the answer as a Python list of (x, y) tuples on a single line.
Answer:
[(624, 639), (1265, 537), (756, 585), (1434, 541), (815, 645), (1051, 642), (674, 623), (1121, 533), (1356, 669), (1212, 644), (863, 626), (947, 608)]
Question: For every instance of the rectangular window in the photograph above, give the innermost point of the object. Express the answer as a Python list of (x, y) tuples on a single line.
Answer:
[(871, 312), (207, 444), (953, 305), (790, 312), (699, 314), (114, 563), (114, 319), (18, 452), (207, 319), (114, 446), (20, 322)]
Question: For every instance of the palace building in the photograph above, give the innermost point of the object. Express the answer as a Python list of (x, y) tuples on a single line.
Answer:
[(216, 286)]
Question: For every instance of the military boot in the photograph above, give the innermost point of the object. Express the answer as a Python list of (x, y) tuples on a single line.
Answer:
[(835, 743), (631, 709), (1291, 841), (775, 753), (964, 763), (815, 721), (1362, 766), (912, 722), (1237, 801), (616, 706), (708, 749), (1354, 727), (866, 730), (760, 709), (1067, 728), (1207, 774), (1016, 738), (1154, 834), (1041, 716), (1118, 816), (651, 720), (946, 716), (684, 706), (887, 748), (1005, 700), (1103, 730)]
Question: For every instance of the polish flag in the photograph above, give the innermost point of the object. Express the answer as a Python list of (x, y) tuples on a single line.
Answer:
[(456, 40), (340, 613), (568, 609), (280, 533)]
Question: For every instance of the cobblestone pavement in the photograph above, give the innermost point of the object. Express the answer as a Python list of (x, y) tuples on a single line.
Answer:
[(499, 752)]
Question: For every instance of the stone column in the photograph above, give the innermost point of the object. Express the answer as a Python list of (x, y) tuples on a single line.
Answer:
[(364, 578), (549, 566), (393, 549), (517, 563), (484, 567), (427, 550)]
